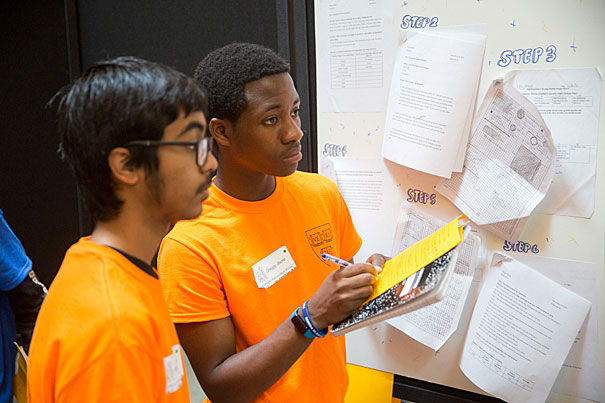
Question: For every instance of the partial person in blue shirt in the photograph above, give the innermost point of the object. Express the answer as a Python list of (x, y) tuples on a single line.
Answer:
[(21, 295)]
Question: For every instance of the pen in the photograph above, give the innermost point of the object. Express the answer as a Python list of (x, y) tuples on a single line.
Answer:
[(334, 259)]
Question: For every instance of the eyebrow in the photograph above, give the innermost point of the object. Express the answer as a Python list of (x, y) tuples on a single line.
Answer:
[(191, 126), (277, 106)]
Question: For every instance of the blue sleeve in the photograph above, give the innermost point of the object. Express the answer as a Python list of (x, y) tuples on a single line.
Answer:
[(14, 263)]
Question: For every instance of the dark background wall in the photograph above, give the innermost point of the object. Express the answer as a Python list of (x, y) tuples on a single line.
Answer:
[(45, 45), (177, 33), (37, 193)]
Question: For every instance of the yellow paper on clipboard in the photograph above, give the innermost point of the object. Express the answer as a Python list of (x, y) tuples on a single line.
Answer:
[(418, 255)]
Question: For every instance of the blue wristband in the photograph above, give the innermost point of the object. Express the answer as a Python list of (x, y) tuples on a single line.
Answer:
[(309, 322)]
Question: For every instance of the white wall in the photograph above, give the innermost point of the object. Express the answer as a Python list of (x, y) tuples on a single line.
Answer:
[(565, 24)]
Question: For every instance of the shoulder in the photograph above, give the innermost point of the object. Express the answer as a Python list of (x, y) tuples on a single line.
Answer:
[(87, 319), (102, 288), (188, 233), (14, 263), (310, 182)]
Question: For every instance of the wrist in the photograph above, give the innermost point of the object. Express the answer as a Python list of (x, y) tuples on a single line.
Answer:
[(317, 332), (315, 315), (301, 325)]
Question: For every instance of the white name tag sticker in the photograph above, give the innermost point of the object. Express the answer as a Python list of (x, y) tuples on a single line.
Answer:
[(269, 270), (173, 364)]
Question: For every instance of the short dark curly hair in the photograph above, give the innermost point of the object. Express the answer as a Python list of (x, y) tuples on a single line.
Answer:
[(225, 71), (116, 101)]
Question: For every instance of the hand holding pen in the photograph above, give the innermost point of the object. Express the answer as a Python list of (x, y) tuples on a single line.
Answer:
[(342, 292), (375, 258)]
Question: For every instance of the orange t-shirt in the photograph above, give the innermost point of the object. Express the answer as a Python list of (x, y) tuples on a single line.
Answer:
[(206, 272), (104, 334)]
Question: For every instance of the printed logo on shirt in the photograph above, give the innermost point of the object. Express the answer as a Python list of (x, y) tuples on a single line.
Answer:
[(320, 238), (173, 364)]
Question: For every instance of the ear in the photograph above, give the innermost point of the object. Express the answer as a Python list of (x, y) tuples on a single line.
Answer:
[(221, 131), (118, 164)]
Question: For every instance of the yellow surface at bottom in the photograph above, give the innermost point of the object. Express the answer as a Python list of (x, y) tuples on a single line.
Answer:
[(20, 379), (369, 385)]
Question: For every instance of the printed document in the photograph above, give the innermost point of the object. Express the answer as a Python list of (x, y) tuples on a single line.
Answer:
[(580, 373), (356, 53), (476, 33), (509, 164), (431, 100), (435, 323), (521, 331), (569, 101), (370, 194)]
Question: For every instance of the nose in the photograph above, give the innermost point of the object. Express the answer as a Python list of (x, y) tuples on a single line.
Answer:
[(210, 165), (292, 131)]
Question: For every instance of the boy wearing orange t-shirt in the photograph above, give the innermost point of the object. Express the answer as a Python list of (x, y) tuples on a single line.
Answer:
[(246, 286), (134, 133)]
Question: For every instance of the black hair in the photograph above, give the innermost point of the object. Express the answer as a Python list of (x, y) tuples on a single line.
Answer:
[(116, 101), (225, 72)]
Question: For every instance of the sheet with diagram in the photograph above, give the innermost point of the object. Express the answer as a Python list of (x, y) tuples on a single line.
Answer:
[(522, 328), (435, 323), (509, 164), (569, 101), (357, 57), (579, 375), (432, 97)]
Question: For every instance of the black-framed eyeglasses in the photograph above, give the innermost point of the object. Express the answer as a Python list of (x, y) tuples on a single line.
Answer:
[(203, 147)]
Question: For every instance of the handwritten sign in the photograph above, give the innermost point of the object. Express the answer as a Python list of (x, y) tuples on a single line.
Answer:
[(417, 21), (520, 246), (334, 150), (419, 196), (526, 56)]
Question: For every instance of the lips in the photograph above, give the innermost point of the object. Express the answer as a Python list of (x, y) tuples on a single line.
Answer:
[(205, 186), (293, 155)]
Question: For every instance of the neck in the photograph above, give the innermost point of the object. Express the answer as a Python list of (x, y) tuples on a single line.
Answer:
[(131, 233), (244, 185)]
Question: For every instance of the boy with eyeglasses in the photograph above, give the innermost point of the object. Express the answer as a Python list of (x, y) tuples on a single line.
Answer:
[(246, 286), (134, 134)]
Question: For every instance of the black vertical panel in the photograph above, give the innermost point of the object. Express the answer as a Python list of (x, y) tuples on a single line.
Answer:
[(37, 191), (300, 70), (283, 28), (312, 74), (73, 39), (302, 58), (415, 390), (75, 69)]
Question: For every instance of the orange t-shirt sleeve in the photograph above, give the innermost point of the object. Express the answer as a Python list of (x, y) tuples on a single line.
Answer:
[(191, 285)]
